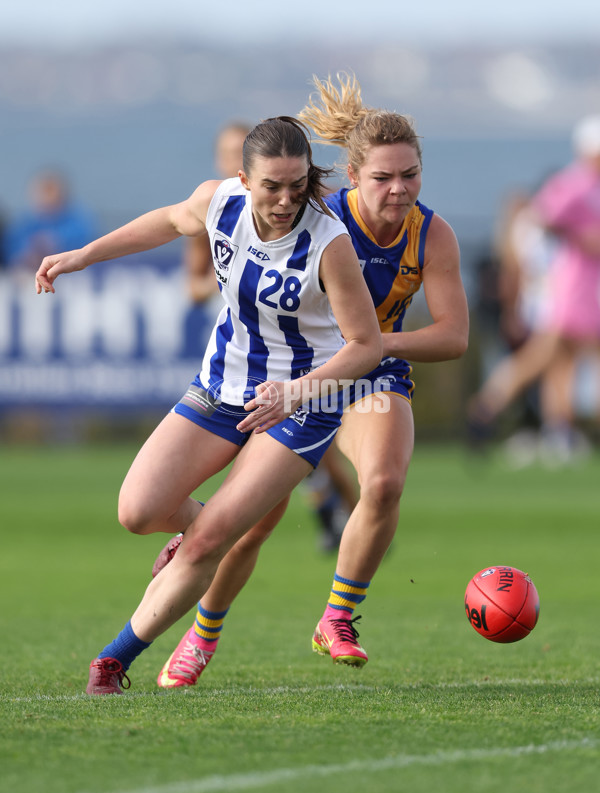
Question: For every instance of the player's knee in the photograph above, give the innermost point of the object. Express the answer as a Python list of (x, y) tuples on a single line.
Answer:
[(384, 489), (204, 549), (134, 516)]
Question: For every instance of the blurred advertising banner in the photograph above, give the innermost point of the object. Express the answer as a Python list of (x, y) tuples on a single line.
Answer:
[(121, 333)]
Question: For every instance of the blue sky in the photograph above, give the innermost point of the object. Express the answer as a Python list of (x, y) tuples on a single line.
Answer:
[(74, 22)]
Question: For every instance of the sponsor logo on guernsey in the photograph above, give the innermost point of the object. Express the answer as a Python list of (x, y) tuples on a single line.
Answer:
[(224, 253), (406, 270), (259, 254)]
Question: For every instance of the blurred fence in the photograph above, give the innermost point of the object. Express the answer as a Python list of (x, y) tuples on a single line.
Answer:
[(113, 339), (116, 343), (116, 346)]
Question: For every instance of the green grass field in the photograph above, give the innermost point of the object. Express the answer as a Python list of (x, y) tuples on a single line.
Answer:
[(437, 708)]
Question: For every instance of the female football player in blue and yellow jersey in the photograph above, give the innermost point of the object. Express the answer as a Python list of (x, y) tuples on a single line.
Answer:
[(296, 323), (401, 245)]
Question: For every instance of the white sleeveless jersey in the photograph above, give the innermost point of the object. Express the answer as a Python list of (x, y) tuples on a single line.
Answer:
[(277, 323)]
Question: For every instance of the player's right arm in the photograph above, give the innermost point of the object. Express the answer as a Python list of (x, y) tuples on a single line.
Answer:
[(148, 231)]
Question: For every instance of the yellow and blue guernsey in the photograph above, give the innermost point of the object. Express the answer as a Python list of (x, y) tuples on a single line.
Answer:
[(393, 274)]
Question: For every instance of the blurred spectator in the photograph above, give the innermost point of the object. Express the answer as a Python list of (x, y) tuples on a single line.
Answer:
[(569, 206), (565, 312), (201, 281), (54, 222), (524, 251), (2, 239)]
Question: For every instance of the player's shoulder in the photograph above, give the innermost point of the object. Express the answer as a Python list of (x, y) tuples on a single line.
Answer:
[(439, 226), (233, 185), (440, 233), (214, 195), (336, 197), (316, 217), (204, 193), (337, 201)]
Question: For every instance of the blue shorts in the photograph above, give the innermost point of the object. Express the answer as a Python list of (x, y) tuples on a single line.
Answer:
[(392, 376), (308, 432)]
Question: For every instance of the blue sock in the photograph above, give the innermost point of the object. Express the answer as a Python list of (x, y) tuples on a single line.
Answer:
[(125, 648)]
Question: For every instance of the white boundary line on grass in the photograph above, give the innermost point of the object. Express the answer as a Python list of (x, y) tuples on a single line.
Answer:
[(305, 689), (262, 779)]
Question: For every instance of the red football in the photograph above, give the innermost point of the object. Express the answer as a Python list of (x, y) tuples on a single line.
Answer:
[(502, 604)]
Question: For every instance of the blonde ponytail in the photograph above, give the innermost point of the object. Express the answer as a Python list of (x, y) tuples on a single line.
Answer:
[(339, 112), (338, 117)]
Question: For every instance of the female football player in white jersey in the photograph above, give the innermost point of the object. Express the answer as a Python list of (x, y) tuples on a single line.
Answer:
[(297, 323), (401, 244)]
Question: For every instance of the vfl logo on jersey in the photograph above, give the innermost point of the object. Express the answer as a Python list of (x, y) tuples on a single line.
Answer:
[(224, 253)]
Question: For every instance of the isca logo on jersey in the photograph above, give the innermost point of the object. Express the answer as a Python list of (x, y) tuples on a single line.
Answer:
[(259, 254)]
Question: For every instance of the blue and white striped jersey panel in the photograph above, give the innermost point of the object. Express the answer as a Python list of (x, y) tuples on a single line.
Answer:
[(277, 323)]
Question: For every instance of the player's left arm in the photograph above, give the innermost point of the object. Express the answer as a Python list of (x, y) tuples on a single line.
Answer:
[(145, 232), (447, 336)]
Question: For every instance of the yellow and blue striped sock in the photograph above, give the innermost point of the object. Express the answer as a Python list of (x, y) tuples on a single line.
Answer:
[(207, 628), (344, 597)]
